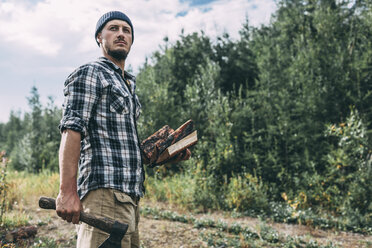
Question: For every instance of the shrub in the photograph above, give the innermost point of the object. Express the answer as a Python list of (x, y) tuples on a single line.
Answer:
[(246, 192), (350, 171)]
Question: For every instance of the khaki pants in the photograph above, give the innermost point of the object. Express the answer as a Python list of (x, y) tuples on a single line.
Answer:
[(113, 204)]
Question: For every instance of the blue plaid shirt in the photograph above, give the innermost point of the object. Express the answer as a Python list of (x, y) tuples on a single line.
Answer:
[(102, 105)]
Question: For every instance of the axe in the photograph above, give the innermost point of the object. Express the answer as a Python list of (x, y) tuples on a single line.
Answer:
[(116, 229)]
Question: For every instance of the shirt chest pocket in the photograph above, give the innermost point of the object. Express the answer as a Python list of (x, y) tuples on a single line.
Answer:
[(119, 101)]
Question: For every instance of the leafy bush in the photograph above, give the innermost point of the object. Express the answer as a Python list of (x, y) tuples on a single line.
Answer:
[(350, 171), (246, 192), (21, 156)]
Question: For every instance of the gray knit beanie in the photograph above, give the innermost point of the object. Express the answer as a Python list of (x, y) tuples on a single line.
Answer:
[(112, 15)]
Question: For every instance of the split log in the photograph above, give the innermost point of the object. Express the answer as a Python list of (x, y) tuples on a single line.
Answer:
[(154, 146), (21, 233), (178, 150), (181, 132), (149, 145)]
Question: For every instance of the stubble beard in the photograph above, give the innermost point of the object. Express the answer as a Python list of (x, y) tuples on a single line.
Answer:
[(118, 55)]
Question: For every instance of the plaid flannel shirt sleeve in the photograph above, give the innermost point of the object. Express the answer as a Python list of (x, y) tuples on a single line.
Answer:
[(82, 92)]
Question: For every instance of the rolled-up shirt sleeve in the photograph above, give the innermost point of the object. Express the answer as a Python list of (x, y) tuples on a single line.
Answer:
[(82, 92)]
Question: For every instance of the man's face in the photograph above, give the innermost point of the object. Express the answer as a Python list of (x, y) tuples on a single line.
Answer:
[(116, 39)]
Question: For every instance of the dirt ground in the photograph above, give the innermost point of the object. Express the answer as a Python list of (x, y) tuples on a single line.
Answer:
[(164, 234)]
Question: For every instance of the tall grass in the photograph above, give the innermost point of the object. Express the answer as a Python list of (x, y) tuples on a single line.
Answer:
[(26, 188), (178, 190), (22, 193)]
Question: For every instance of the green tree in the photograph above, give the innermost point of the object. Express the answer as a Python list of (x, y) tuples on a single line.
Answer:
[(12, 131), (50, 136), (33, 141), (308, 76), (189, 54), (36, 130), (237, 62)]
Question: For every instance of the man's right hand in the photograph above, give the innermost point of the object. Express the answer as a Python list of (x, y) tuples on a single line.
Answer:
[(68, 207)]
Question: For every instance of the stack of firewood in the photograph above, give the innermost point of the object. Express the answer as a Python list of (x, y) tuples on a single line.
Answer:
[(156, 148)]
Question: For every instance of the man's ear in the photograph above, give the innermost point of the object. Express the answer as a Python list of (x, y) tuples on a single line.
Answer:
[(99, 38)]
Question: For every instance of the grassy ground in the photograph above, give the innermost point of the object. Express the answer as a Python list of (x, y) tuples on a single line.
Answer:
[(163, 224)]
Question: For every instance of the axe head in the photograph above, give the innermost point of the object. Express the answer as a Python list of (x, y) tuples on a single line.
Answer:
[(116, 235)]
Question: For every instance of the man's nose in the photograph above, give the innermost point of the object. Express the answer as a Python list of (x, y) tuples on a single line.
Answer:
[(121, 33)]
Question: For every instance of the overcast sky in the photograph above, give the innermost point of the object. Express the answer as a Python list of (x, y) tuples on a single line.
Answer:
[(43, 41)]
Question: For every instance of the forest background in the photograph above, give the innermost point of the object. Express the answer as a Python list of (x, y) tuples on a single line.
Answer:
[(284, 117)]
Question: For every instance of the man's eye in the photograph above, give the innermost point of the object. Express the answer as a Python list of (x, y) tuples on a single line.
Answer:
[(113, 28)]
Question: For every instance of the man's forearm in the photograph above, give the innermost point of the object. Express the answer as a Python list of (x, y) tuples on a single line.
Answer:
[(69, 153), (68, 205)]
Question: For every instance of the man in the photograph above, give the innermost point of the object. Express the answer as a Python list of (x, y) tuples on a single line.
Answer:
[(99, 138)]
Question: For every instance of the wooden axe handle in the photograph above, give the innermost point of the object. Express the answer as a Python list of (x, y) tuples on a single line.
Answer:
[(105, 224)]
